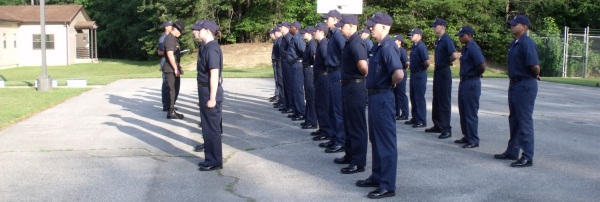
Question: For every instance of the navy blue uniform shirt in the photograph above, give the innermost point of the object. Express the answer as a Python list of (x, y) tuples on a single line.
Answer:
[(444, 47), (296, 48), (211, 58), (284, 45), (309, 53), (369, 44), (334, 48), (418, 55), (522, 54), (403, 56), (319, 66), (382, 64), (354, 50), (471, 57), (275, 54)]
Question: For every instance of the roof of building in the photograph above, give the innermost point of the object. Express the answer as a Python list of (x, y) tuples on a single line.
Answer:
[(31, 14)]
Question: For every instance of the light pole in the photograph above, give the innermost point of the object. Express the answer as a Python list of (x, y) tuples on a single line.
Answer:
[(44, 81)]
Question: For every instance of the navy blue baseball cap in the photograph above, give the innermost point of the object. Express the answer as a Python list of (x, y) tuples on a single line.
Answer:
[(197, 26), (309, 29), (415, 31), (519, 19), (365, 31), (321, 27), (399, 37), (379, 18), (296, 24), (466, 30), (167, 23), (284, 24), (347, 19), (438, 21), (333, 14), (209, 25)]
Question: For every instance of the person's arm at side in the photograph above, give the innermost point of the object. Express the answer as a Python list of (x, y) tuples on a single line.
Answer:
[(214, 84)]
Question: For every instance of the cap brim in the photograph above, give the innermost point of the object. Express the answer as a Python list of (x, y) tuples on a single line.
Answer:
[(459, 34), (370, 23), (512, 22), (411, 33), (195, 28), (339, 24), (325, 16)]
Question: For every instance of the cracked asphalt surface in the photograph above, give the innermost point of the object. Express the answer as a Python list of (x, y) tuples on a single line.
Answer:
[(114, 143)]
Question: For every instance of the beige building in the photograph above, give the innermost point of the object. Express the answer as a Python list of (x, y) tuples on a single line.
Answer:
[(70, 36)]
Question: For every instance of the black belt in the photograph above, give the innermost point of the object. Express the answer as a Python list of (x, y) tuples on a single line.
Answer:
[(515, 80), (307, 66), (415, 71), (204, 84), (321, 74), (330, 69), (438, 67), (464, 78), (348, 81), (298, 61), (377, 91)]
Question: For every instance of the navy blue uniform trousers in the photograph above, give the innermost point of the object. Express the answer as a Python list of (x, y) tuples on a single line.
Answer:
[(212, 126), (521, 99), (469, 92), (336, 114), (298, 89), (278, 76), (323, 102), (309, 92), (418, 86), (441, 106), (287, 75), (354, 104), (401, 98), (164, 92), (382, 134)]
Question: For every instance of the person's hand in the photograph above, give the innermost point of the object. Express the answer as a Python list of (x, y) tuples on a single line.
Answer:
[(181, 71), (211, 104), (176, 73), (393, 85), (539, 78)]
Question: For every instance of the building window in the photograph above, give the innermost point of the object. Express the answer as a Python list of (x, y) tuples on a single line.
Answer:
[(37, 41)]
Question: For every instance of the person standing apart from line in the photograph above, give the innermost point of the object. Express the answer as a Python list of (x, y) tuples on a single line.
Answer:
[(354, 96), (441, 104), (167, 26), (294, 57), (211, 96), (385, 70), (308, 60), (523, 70), (419, 62), (333, 64), (321, 79), (472, 66), (400, 89), (172, 68)]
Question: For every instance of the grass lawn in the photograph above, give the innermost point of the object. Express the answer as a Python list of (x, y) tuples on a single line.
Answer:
[(20, 103)]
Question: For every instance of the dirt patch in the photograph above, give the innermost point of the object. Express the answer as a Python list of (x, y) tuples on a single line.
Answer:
[(242, 56)]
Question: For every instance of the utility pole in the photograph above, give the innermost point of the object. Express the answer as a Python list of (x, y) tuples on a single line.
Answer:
[(44, 81)]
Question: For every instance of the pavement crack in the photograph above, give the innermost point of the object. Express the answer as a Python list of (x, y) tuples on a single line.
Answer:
[(231, 185)]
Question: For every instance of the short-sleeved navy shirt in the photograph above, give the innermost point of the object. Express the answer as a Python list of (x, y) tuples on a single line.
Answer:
[(382, 64), (161, 47), (171, 44), (284, 45), (199, 59), (334, 48), (369, 44), (471, 57), (309, 53), (275, 52), (418, 55), (354, 51), (321, 54), (403, 56), (444, 48), (296, 48), (211, 58), (522, 54)]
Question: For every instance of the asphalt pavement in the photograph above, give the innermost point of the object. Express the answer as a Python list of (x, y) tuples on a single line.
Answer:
[(114, 143)]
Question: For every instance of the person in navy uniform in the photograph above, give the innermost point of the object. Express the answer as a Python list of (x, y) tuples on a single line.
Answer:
[(523, 70), (322, 100), (172, 68), (419, 62), (274, 64), (445, 54), (279, 102), (400, 89), (286, 68), (333, 64), (385, 70), (354, 96), (472, 66), (196, 33), (210, 96), (364, 34), (308, 60), (167, 26), (295, 52)]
